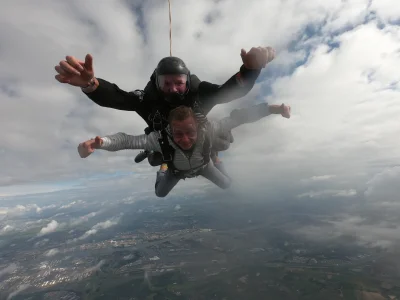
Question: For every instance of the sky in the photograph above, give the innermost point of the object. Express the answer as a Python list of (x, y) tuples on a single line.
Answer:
[(336, 65)]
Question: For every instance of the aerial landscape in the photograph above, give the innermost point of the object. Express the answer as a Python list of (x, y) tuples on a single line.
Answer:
[(186, 248)]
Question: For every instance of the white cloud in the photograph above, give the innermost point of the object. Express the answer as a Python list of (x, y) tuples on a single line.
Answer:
[(19, 210), (41, 209), (16, 210), (51, 227), (383, 187), (387, 11), (96, 267), (67, 205), (344, 100), (318, 178), (20, 288), (339, 124), (28, 189), (41, 243), (329, 193), (381, 234), (322, 177), (7, 228), (52, 252), (96, 228), (82, 219), (8, 270)]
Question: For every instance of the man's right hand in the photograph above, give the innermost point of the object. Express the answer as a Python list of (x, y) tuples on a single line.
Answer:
[(88, 147), (74, 71)]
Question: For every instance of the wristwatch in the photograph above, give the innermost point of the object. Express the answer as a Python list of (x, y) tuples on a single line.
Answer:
[(91, 83)]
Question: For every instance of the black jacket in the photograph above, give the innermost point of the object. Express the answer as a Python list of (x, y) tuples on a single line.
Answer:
[(146, 102)]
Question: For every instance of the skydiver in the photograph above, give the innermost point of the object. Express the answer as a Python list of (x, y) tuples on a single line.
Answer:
[(170, 85), (190, 140)]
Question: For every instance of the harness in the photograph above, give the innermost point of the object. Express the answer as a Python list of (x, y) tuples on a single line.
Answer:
[(206, 153), (167, 151), (158, 109), (157, 118), (158, 122)]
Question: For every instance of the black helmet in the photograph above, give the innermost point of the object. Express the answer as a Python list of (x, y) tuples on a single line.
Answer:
[(172, 65)]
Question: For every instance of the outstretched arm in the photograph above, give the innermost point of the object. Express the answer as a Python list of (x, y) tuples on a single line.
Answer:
[(79, 73), (120, 141), (107, 94), (239, 84), (123, 141), (247, 115)]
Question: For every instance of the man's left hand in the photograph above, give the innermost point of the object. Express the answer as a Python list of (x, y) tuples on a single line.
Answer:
[(257, 58)]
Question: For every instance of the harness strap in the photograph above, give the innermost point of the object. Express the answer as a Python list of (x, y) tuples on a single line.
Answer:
[(207, 145), (166, 149), (206, 155)]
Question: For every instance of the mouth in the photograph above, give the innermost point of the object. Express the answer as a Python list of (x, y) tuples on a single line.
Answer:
[(186, 146)]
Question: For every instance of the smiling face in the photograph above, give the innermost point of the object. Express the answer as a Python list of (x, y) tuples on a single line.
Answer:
[(172, 83), (184, 132), (183, 127)]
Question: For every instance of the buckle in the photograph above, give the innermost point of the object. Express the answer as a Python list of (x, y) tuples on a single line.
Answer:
[(157, 121)]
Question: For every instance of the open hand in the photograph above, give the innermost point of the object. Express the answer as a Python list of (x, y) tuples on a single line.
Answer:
[(74, 71), (88, 147)]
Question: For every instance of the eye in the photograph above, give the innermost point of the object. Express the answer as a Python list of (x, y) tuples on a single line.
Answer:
[(178, 134)]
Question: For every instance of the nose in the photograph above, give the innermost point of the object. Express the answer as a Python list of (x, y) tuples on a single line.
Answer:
[(173, 89), (185, 139)]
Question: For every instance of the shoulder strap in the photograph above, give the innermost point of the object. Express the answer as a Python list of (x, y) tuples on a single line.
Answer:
[(199, 113), (156, 110), (167, 151), (207, 144)]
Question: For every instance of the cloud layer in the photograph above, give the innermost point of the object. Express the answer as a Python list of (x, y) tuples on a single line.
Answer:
[(336, 66)]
